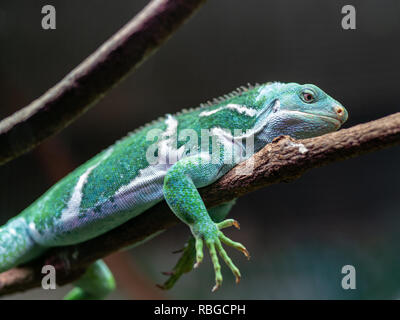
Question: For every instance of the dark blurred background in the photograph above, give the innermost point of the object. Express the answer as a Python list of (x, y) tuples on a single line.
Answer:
[(299, 234)]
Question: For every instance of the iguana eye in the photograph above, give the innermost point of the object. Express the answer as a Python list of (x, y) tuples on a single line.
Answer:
[(307, 96)]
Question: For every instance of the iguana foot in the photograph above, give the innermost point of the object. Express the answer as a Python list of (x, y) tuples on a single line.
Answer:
[(184, 265), (212, 236)]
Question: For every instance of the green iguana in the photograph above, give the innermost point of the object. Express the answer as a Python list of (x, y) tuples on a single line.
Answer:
[(168, 159)]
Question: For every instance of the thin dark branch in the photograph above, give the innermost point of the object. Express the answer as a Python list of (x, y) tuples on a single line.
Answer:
[(282, 160), (89, 81)]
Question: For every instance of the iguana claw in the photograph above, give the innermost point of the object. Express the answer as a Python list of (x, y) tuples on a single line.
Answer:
[(213, 238)]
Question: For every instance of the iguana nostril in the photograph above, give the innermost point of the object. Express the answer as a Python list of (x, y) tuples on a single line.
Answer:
[(341, 113), (339, 110)]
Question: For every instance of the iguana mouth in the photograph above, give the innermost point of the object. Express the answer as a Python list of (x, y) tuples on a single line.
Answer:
[(335, 121), (332, 120)]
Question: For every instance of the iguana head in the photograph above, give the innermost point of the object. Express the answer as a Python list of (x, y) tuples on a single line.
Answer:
[(300, 111)]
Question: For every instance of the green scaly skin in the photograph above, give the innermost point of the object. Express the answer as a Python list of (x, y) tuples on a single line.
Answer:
[(131, 176)]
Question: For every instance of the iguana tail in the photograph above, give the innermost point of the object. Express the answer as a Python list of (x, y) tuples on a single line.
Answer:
[(16, 244)]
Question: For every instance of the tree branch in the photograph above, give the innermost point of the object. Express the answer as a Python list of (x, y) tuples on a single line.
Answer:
[(283, 160), (90, 80)]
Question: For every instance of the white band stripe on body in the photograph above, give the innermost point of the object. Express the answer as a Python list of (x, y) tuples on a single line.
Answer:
[(236, 107), (74, 202)]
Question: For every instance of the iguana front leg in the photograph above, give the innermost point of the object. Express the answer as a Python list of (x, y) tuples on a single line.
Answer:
[(180, 192), (188, 256)]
